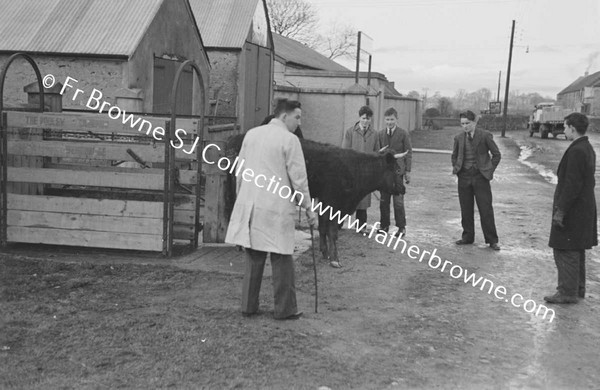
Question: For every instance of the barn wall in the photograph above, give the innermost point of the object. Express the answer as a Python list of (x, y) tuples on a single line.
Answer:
[(224, 76), (333, 80), (103, 74), (409, 115), (165, 39), (325, 113), (279, 73)]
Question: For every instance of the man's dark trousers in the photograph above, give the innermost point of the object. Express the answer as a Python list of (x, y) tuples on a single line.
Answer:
[(472, 185), (571, 271), (284, 290), (399, 211)]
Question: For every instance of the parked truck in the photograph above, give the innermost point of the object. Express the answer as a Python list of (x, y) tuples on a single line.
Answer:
[(548, 118)]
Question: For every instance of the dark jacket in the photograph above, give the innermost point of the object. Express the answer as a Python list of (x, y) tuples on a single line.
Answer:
[(399, 142), (483, 143), (574, 197)]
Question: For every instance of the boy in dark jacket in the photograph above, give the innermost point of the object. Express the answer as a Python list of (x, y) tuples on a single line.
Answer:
[(574, 223)]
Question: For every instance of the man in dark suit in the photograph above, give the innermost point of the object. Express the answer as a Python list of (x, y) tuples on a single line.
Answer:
[(398, 141), (475, 169), (574, 223)]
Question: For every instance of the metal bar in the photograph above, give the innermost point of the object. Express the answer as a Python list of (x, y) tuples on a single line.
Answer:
[(369, 72), (357, 58), (166, 195), (4, 146), (198, 185), (172, 126), (4, 162)]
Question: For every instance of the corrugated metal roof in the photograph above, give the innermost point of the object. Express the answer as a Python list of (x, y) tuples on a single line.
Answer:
[(298, 53), (95, 27), (224, 23), (582, 82)]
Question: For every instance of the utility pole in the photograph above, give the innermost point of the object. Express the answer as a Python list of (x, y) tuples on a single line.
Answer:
[(512, 36), (499, 77)]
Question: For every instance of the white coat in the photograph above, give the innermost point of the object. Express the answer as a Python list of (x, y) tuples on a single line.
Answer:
[(261, 219)]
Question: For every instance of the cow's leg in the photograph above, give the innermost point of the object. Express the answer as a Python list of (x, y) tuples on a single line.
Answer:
[(332, 236), (323, 236)]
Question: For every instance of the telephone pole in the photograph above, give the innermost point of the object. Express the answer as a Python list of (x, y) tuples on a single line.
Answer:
[(499, 77), (512, 36)]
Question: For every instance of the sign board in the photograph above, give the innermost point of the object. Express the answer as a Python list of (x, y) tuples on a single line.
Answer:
[(366, 43), (495, 107)]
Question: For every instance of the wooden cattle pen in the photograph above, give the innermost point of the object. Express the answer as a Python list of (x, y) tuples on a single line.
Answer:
[(84, 193), (85, 179)]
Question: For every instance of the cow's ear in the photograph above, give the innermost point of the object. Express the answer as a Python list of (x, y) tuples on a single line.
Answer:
[(389, 158)]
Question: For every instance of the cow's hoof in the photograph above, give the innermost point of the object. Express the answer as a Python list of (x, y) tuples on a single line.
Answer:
[(335, 264)]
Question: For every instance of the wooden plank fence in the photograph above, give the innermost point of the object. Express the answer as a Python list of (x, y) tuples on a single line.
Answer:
[(85, 179)]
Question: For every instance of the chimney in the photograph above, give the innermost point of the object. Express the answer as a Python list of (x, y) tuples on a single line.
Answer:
[(586, 74)]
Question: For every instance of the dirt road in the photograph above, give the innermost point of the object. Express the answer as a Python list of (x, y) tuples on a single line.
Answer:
[(386, 321)]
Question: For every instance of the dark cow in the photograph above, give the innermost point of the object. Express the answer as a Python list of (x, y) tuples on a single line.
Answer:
[(339, 178)]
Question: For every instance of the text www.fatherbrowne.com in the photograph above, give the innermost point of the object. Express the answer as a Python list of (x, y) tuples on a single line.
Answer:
[(434, 261), (517, 300)]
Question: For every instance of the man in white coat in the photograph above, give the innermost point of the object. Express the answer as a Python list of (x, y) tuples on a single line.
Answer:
[(263, 219)]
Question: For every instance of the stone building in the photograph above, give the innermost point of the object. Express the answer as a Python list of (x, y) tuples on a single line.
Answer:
[(238, 40), (582, 95), (129, 50)]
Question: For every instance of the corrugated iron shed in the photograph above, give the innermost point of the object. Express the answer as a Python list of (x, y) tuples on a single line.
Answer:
[(91, 27), (592, 80), (224, 23), (296, 53)]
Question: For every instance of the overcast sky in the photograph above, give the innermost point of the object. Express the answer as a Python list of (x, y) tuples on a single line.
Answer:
[(445, 45)]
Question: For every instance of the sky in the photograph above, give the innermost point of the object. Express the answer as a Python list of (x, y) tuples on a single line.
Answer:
[(447, 45)]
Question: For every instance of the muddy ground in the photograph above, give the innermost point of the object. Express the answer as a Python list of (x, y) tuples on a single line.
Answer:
[(385, 320)]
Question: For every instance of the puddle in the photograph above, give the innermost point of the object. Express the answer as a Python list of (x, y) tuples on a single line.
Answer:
[(547, 174)]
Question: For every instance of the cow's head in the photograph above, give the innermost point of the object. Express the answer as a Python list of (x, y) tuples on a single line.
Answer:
[(392, 179)]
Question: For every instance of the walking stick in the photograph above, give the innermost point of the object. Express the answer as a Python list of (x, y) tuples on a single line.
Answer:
[(312, 244)]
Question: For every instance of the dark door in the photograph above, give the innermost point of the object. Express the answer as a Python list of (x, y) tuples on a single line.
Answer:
[(263, 85), (164, 75), (250, 87)]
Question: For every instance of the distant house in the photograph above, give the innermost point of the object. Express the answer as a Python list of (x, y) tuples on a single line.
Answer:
[(329, 94), (129, 50), (239, 44), (582, 95)]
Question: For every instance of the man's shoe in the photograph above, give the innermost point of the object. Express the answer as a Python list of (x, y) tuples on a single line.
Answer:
[(560, 298), (495, 246), (382, 230), (401, 231), (463, 242), (258, 312), (291, 317)]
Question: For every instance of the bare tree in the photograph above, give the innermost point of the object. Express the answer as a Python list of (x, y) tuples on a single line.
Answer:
[(339, 42), (414, 94), (296, 19), (445, 106)]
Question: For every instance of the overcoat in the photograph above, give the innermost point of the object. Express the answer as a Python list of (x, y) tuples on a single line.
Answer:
[(262, 217), (354, 138), (574, 197), (483, 143)]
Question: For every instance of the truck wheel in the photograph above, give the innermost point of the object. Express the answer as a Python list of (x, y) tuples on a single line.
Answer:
[(544, 131)]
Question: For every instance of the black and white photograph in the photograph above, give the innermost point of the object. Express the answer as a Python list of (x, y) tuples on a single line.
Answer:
[(299, 194)]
